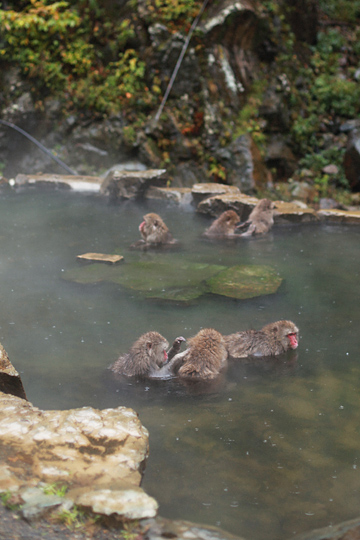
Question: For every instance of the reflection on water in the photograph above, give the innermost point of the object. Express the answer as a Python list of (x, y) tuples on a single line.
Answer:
[(273, 448)]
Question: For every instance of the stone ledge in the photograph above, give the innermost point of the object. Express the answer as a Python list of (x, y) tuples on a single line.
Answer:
[(340, 216), (76, 183), (177, 195)]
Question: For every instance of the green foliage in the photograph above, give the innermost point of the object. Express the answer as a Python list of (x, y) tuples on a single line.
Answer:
[(130, 531), (55, 489), (249, 119), (174, 14), (64, 50), (216, 171), (7, 498), (342, 10), (73, 519), (325, 184)]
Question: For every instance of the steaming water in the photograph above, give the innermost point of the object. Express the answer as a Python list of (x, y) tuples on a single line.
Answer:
[(274, 448)]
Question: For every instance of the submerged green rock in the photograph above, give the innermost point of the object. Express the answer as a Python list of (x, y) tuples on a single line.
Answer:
[(245, 281), (182, 281)]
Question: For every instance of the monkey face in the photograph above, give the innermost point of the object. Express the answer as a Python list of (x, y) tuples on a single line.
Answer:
[(293, 342)]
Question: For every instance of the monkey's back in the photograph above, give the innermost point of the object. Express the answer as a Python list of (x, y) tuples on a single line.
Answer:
[(124, 366), (252, 343), (206, 355)]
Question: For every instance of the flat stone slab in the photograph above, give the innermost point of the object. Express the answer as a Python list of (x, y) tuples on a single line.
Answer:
[(101, 257), (340, 216), (206, 190), (292, 213), (76, 183)]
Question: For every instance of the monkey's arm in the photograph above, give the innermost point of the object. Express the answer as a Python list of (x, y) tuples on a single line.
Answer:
[(140, 244), (170, 369), (251, 230), (175, 347)]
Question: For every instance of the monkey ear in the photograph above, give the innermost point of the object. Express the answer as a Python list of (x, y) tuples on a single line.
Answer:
[(156, 223), (275, 329), (149, 347)]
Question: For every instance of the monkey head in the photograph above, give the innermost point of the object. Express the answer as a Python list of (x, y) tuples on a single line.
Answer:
[(285, 332), (156, 346), (153, 229), (265, 204)]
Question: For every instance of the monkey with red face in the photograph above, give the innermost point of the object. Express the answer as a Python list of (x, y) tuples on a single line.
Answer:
[(260, 220), (224, 226), (146, 356), (273, 339), (154, 233)]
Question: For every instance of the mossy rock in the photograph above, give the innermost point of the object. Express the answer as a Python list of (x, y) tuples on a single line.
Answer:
[(245, 281), (182, 281)]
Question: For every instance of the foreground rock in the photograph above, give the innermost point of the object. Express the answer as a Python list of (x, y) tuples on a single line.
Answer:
[(99, 455), (10, 381)]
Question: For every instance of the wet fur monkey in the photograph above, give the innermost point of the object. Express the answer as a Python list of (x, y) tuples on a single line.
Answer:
[(224, 226), (204, 357), (260, 220), (273, 339), (147, 356), (154, 232)]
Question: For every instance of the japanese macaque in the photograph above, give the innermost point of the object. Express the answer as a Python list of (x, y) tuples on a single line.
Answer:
[(224, 226), (274, 338), (260, 220), (204, 357), (146, 356), (154, 232)]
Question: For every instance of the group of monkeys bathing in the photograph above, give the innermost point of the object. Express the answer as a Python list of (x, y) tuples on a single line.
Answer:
[(206, 353), (154, 232)]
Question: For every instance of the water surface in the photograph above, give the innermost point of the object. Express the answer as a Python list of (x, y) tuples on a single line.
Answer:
[(272, 449)]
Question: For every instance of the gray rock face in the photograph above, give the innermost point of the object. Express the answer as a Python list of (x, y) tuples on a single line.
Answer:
[(238, 160), (132, 184), (352, 160)]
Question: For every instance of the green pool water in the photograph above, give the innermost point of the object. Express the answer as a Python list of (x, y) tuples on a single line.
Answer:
[(270, 450)]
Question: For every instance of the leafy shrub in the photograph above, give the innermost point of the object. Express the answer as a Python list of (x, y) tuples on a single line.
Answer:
[(60, 49)]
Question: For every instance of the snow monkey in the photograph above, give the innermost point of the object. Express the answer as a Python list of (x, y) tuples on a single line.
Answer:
[(274, 338), (224, 226), (260, 220), (204, 357), (147, 356), (154, 233)]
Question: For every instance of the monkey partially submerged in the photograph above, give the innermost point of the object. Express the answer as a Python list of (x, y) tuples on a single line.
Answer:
[(154, 233), (224, 226), (260, 220), (204, 357), (273, 339), (147, 356)]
